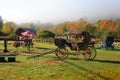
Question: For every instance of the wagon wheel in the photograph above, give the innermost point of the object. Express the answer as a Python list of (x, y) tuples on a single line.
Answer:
[(92, 52), (87, 53), (61, 53)]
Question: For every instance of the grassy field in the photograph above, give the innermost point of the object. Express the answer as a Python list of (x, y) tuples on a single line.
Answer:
[(106, 66)]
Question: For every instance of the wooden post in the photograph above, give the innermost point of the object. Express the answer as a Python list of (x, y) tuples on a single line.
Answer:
[(5, 46), (28, 44)]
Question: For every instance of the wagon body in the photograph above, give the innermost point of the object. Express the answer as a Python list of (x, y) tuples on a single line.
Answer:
[(76, 42)]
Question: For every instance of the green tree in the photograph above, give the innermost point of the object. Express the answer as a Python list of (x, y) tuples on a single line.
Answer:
[(117, 28), (39, 30), (46, 34), (1, 24), (112, 33), (92, 29)]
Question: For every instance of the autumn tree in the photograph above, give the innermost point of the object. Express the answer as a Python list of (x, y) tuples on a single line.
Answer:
[(9, 28), (70, 26), (62, 28), (81, 23), (106, 27)]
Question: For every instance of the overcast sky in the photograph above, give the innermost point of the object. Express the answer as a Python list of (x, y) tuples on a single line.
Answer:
[(56, 11)]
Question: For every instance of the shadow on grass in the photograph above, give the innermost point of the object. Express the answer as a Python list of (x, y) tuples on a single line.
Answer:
[(116, 49), (109, 49), (108, 61), (88, 71), (11, 62), (43, 48)]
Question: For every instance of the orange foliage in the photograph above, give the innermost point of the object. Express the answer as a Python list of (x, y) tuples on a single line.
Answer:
[(85, 24), (112, 26), (107, 22), (103, 23), (74, 27)]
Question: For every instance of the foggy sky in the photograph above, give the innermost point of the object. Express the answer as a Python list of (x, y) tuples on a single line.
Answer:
[(56, 11)]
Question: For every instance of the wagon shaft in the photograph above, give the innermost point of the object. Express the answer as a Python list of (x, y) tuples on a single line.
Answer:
[(39, 55)]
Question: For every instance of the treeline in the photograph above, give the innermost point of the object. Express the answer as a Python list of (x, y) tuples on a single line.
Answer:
[(42, 30), (99, 29)]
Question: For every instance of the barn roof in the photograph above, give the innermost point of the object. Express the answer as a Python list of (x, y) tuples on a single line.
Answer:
[(20, 30)]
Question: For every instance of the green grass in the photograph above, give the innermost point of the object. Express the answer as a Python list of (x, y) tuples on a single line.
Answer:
[(106, 66)]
